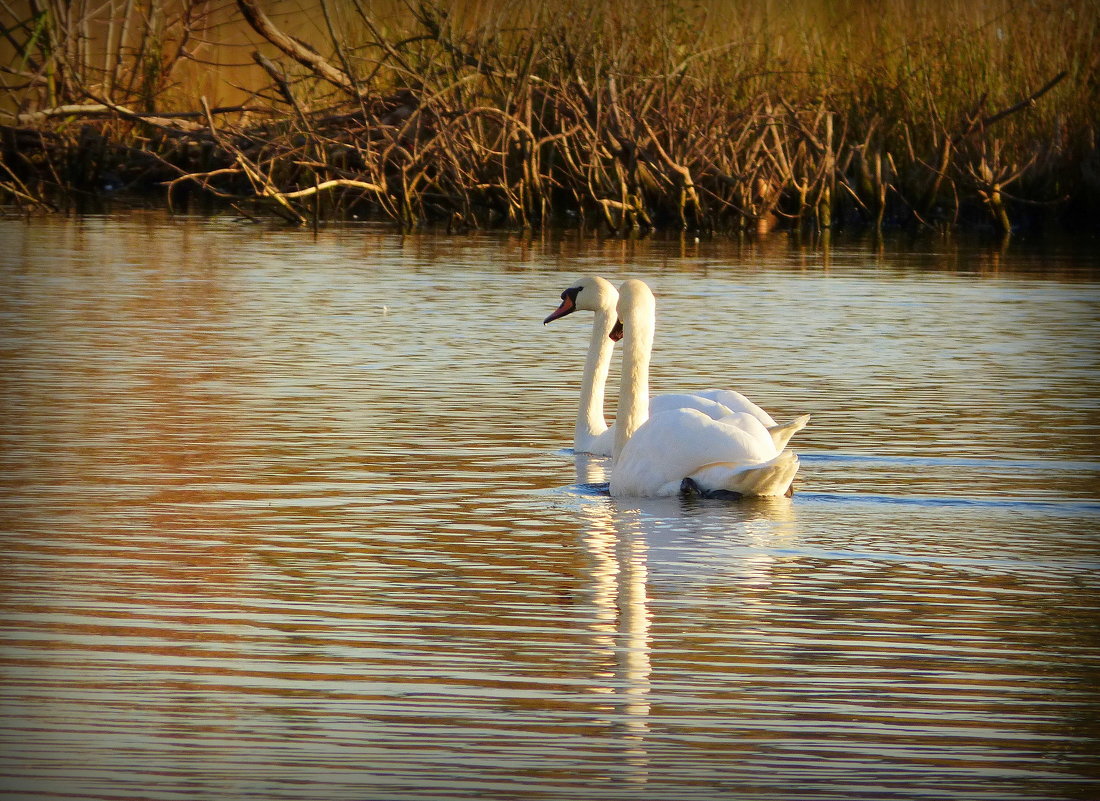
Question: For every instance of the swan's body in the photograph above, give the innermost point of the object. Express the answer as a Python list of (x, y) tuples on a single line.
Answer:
[(592, 433), (718, 456), (654, 455)]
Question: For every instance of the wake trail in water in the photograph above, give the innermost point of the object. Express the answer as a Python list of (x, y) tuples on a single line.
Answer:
[(944, 461), (1046, 505)]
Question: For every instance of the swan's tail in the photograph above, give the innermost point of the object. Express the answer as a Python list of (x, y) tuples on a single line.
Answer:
[(782, 433), (773, 477)]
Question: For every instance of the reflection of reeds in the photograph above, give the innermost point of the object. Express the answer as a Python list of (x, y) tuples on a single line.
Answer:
[(629, 115)]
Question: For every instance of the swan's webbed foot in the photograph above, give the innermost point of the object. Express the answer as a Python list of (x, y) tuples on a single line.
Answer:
[(690, 489)]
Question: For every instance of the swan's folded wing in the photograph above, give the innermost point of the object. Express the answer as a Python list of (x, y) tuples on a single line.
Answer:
[(735, 401), (686, 400), (676, 444)]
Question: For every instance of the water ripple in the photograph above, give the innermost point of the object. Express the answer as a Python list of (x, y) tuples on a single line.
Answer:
[(264, 540)]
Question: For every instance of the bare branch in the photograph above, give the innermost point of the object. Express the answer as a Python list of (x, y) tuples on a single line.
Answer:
[(303, 55)]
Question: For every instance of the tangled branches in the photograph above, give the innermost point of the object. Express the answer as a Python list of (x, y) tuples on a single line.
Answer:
[(521, 127)]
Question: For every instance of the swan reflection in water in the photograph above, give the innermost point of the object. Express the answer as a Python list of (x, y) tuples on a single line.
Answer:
[(616, 547), (626, 541)]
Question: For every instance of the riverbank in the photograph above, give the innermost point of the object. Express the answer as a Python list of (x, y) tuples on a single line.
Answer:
[(639, 116)]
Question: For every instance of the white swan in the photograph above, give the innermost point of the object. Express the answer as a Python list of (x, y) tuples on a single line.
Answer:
[(592, 434), (673, 450), (595, 294)]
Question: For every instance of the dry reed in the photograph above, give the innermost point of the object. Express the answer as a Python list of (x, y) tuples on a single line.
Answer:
[(703, 116)]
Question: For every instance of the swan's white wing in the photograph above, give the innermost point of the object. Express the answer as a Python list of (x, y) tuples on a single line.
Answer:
[(679, 443), (688, 400), (736, 402), (716, 402), (603, 444)]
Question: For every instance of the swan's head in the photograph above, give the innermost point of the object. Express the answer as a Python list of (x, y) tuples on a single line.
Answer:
[(636, 303), (591, 293)]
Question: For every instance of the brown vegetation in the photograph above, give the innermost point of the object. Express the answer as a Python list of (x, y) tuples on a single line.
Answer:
[(704, 116)]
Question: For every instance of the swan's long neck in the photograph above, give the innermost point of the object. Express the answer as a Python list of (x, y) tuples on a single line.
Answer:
[(590, 416), (633, 409)]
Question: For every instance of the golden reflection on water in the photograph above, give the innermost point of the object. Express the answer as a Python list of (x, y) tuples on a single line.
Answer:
[(291, 517), (617, 550)]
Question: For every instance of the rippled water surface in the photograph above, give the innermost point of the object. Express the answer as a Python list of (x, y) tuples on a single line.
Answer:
[(288, 517)]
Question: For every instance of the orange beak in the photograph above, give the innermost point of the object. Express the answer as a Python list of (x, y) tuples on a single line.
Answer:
[(567, 307)]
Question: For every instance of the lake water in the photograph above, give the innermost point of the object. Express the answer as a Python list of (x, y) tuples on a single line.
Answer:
[(295, 517)]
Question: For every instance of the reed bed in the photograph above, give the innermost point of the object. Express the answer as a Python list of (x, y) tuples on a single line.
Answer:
[(706, 116)]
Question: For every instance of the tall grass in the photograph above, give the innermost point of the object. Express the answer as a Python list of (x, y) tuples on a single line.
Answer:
[(705, 115)]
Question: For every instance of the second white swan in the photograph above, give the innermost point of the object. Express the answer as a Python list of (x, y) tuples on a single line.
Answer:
[(663, 454)]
